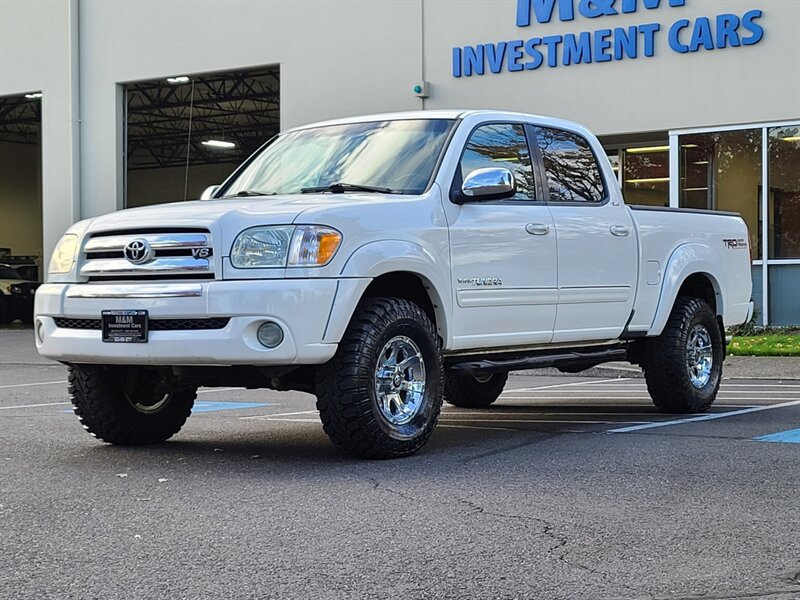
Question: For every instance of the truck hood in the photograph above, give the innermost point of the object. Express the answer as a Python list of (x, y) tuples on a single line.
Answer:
[(226, 218), (204, 213)]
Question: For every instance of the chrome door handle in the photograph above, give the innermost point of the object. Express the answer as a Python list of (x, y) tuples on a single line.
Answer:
[(619, 230), (537, 228)]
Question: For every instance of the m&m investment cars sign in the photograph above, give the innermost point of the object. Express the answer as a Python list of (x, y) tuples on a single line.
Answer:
[(726, 30)]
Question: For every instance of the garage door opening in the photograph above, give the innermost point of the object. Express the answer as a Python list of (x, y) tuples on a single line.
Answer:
[(187, 132), (21, 185)]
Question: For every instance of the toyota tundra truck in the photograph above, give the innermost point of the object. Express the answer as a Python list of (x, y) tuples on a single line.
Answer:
[(386, 264)]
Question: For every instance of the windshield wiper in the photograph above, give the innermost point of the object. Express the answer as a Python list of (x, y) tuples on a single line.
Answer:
[(245, 193), (340, 188)]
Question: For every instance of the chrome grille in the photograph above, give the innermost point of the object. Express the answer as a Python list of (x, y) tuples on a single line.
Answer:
[(170, 255)]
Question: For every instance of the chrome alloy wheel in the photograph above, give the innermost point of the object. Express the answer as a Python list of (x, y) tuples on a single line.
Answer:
[(699, 356), (149, 405), (400, 380)]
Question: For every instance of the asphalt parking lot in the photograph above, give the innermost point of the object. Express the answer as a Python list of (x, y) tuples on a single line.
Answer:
[(570, 487)]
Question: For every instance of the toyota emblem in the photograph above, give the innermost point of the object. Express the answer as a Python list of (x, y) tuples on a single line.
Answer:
[(138, 252)]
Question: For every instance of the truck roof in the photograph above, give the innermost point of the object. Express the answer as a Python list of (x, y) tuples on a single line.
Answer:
[(444, 114)]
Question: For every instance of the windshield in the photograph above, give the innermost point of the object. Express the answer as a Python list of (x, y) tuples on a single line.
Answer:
[(390, 156)]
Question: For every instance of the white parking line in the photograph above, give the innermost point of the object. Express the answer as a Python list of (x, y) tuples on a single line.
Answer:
[(733, 413), (761, 385), (291, 414), (577, 422), (551, 398), (560, 385), (291, 420), (16, 385), (568, 413), (562, 398), (210, 390), (643, 390), (475, 427), (33, 405)]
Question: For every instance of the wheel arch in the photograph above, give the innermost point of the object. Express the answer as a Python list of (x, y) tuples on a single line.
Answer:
[(692, 271), (393, 269)]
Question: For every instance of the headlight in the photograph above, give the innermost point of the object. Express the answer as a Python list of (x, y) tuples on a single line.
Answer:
[(285, 246), (64, 254), (15, 289)]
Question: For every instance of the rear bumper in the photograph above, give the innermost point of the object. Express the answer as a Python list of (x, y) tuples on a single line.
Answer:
[(300, 306)]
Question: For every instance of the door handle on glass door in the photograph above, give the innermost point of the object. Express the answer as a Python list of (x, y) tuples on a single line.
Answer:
[(537, 228), (619, 230)]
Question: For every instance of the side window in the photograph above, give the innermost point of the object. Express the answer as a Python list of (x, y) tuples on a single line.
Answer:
[(572, 171), (501, 145)]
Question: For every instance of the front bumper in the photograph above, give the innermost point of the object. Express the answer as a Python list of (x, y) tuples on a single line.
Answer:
[(300, 306)]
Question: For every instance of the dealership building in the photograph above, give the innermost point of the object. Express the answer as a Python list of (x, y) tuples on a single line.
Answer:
[(112, 104)]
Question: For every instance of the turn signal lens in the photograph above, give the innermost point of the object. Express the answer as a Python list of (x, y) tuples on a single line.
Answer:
[(313, 246), (328, 244)]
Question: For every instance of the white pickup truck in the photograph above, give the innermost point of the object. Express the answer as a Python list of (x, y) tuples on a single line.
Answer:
[(387, 264)]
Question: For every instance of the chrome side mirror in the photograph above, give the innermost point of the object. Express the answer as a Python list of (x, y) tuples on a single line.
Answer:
[(208, 192), (492, 183)]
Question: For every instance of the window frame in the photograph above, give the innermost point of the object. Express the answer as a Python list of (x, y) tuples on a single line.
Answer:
[(455, 195), (543, 170)]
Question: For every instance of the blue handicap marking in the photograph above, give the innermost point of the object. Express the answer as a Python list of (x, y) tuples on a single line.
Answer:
[(785, 437), (214, 406)]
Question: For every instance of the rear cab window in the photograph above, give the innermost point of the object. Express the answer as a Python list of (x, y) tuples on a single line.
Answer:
[(571, 169)]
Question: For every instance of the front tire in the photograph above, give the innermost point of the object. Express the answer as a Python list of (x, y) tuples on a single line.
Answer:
[(471, 391), (683, 366), (381, 394), (127, 405)]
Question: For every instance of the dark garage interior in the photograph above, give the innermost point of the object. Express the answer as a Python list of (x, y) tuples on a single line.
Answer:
[(187, 132), (21, 184)]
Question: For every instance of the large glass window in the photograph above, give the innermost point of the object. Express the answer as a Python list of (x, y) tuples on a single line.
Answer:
[(572, 171), (645, 175), (501, 145), (784, 193), (722, 171), (784, 292)]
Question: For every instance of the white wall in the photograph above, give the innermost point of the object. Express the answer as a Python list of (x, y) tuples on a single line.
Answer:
[(38, 53), (667, 91), (337, 57)]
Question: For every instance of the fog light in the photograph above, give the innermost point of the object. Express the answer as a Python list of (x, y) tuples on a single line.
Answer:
[(39, 331), (270, 335)]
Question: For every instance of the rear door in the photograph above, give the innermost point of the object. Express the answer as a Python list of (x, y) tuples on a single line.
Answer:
[(503, 252), (597, 248)]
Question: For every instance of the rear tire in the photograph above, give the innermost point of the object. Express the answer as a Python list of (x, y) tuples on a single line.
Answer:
[(469, 391), (381, 394), (683, 366), (125, 406)]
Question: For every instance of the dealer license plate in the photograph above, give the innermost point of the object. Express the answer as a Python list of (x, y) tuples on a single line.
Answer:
[(124, 326)]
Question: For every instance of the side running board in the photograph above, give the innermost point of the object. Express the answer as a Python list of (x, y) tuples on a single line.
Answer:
[(564, 359)]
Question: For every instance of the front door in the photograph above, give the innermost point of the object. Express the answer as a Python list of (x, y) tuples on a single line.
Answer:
[(503, 252)]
